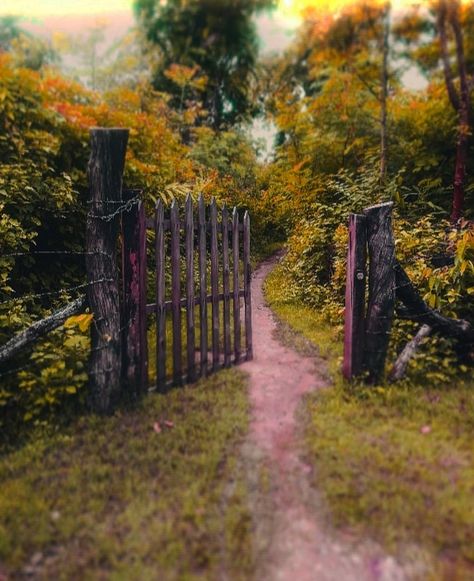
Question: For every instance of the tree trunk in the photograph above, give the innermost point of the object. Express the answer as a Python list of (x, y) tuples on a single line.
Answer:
[(449, 12), (384, 93), (464, 118)]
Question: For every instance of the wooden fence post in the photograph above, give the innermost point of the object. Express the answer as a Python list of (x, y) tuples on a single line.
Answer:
[(226, 285), (176, 294), (160, 297), (202, 287), (190, 325), (105, 169), (247, 288), (214, 286), (381, 305), (236, 287), (354, 314), (134, 275)]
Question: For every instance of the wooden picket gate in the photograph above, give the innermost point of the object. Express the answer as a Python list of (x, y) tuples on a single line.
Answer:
[(192, 340)]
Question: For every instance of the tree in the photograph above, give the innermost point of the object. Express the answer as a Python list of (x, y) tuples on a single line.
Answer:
[(437, 41), (27, 50), (9, 30), (448, 14), (219, 39), (340, 73)]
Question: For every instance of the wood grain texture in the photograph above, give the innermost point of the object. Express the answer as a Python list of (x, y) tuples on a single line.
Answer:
[(160, 298), (134, 324), (226, 286), (354, 313), (235, 283), (105, 170), (381, 247), (176, 295), (202, 287), (190, 330), (214, 286), (247, 288)]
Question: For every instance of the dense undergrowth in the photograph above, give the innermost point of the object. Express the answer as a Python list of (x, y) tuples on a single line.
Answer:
[(151, 493), (394, 462)]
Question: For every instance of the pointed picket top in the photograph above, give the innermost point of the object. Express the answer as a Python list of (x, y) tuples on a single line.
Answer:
[(247, 218), (235, 214), (189, 200), (213, 204), (174, 205), (225, 213), (201, 208), (159, 208)]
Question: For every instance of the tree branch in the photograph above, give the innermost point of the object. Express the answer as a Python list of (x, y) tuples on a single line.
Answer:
[(40, 328)]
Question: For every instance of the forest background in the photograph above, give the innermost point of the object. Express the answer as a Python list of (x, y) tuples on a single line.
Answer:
[(190, 84)]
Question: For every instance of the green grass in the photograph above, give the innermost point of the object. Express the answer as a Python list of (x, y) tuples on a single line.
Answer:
[(393, 462), (112, 498)]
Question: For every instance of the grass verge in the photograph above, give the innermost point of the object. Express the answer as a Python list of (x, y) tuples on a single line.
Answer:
[(393, 462), (124, 498)]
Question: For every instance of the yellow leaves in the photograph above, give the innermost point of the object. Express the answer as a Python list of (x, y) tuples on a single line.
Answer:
[(184, 76), (83, 322)]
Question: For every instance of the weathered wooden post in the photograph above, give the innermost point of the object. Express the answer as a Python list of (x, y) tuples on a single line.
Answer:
[(105, 169), (248, 288), (134, 328), (354, 314), (381, 305)]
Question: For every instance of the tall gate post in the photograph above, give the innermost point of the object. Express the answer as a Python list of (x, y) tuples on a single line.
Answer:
[(105, 169), (134, 278), (380, 308), (354, 314)]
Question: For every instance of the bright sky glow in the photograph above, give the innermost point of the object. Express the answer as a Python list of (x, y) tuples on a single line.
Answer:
[(37, 8)]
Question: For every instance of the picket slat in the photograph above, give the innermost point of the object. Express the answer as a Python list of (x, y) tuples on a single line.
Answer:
[(247, 287), (160, 298), (176, 295), (226, 285), (214, 286), (235, 283), (190, 331), (202, 286)]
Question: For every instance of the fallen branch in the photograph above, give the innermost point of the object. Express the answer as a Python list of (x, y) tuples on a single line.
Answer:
[(400, 366), (417, 310), (40, 328)]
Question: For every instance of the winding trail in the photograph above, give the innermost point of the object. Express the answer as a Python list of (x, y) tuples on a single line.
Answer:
[(296, 542)]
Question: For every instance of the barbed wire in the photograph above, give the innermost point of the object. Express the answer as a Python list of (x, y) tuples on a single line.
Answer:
[(56, 252), (45, 208), (56, 292), (125, 207)]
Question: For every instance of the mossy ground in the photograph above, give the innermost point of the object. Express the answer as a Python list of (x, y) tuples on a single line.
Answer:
[(393, 462), (112, 498)]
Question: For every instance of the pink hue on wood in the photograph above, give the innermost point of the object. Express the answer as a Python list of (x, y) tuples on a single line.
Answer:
[(354, 314), (134, 267)]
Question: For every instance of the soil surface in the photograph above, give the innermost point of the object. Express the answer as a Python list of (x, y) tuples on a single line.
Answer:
[(294, 539)]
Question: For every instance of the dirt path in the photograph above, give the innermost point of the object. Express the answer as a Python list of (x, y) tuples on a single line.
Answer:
[(295, 544)]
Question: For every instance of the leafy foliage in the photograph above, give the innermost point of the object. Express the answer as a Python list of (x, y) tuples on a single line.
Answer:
[(217, 42)]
